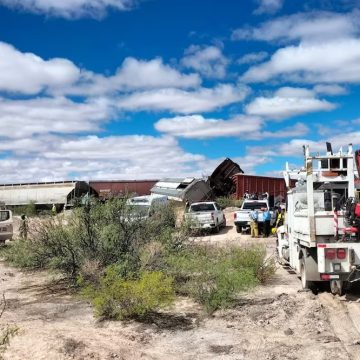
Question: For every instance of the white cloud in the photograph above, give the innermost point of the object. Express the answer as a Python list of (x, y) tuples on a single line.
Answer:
[(180, 101), (331, 89), (29, 74), (330, 62), (310, 26), (268, 6), (69, 8), (253, 57), (197, 127), (209, 61), (24, 118), (325, 48), (287, 102), (298, 129), (133, 74), (93, 157), (294, 148)]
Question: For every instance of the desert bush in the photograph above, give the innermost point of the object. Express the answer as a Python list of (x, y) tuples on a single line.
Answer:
[(96, 233), (29, 209), (118, 297), (214, 276)]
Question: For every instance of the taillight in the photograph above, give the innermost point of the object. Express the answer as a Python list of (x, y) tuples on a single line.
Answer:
[(341, 254), (234, 216), (330, 254)]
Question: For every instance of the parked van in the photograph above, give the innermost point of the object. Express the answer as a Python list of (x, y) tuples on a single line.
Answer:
[(143, 207), (6, 225)]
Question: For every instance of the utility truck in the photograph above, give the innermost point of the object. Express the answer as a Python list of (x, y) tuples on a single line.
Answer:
[(320, 235), (6, 224)]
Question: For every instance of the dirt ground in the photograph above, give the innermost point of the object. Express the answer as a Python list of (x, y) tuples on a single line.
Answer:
[(276, 321)]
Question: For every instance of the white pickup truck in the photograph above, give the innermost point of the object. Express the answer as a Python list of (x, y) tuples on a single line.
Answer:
[(6, 225), (205, 215), (242, 217)]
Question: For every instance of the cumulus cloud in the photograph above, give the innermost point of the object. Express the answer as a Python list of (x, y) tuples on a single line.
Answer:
[(287, 102), (180, 101), (325, 48), (131, 75), (294, 147), (268, 6), (208, 61), (329, 62), (252, 58), (69, 9), (28, 73), (93, 157), (330, 89), (24, 118), (198, 127), (310, 26), (298, 129)]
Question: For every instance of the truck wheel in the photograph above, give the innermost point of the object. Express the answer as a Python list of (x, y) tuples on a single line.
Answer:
[(238, 229), (305, 283), (338, 287)]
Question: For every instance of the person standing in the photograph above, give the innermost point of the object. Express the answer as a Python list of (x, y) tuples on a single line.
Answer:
[(267, 218), (53, 210), (23, 229), (254, 229)]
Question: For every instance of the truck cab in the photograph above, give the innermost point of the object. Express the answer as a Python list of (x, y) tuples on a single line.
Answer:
[(6, 224), (143, 207)]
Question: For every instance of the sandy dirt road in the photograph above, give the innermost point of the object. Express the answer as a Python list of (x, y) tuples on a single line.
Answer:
[(273, 322)]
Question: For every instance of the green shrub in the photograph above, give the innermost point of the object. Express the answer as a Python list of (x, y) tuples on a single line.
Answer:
[(214, 276), (99, 233), (119, 298), (28, 209)]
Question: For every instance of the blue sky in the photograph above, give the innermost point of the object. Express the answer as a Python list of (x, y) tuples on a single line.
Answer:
[(126, 89)]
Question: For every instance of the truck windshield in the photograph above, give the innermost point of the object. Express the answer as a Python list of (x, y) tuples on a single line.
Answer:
[(254, 205), (202, 207), (4, 215), (139, 210)]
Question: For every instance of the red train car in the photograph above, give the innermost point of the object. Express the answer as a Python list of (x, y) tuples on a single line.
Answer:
[(108, 188), (260, 184)]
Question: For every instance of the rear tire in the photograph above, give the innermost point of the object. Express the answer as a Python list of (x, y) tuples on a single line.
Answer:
[(238, 229), (338, 287), (305, 283)]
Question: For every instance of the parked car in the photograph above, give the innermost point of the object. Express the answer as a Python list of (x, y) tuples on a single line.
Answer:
[(6, 225), (205, 215)]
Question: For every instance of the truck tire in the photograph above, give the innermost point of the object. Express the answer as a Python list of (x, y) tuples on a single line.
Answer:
[(306, 284), (238, 229), (338, 287), (217, 229)]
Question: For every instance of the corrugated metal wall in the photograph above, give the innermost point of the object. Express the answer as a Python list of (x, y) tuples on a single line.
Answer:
[(113, 188), (260, 185)]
